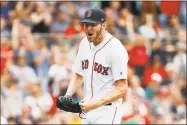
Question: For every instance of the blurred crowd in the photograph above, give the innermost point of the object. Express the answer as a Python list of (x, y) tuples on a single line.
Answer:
[(39, 42)]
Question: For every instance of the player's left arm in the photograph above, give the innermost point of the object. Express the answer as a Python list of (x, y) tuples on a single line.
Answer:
[(118, 92), (119, 61)]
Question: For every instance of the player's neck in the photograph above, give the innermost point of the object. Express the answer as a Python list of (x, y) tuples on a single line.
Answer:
[(100, 39)]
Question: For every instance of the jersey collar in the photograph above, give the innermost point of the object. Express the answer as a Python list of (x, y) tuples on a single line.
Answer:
[(106, 39)]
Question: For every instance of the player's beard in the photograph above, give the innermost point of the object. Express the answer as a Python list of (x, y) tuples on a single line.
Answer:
[(91, 38), (94, 37)]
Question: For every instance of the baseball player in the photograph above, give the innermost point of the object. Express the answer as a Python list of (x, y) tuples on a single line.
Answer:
[(101, 63)]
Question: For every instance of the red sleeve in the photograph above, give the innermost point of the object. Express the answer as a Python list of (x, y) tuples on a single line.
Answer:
[(163, 72), (146, 76), (170, 7)]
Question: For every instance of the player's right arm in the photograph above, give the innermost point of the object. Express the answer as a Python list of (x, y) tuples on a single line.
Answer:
[(77, 73), (75, 83)]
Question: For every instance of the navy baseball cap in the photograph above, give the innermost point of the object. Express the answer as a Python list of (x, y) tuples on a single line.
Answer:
[(94, 16)]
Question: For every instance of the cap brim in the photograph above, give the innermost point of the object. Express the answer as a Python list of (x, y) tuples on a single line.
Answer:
[(89, 21)]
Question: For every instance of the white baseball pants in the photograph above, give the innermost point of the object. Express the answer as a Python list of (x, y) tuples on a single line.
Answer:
[(107, 114)]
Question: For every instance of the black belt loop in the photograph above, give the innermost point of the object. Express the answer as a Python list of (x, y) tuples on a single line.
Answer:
[(108, 104)]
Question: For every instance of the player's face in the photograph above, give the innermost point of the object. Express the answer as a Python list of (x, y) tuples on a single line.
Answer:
[(92, 31)]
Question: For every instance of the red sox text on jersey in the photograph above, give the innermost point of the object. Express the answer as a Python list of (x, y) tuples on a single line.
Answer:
[(99, 68)]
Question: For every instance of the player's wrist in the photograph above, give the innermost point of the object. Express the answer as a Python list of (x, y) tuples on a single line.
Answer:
[(96, 104), (100, 102), (68, 94)]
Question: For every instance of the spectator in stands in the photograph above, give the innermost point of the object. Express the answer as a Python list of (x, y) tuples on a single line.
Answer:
[(115, 6), (135, 84), (161, 105), (183, 13), (138, 109), (125, 25), (81, 7), (148, 7), (74, 28), (111, 25), (61, 22), (23, 40), (159, 49), (41, 18), (155, 67), (109, 13), (23, 72), (37, 101), (26, 116), (69, 8), (147, 29), (57, 73), (25, 50), (131, 24), (6, 54), (5, 9), (178, 104), (41, 60), (12, 95), (165, 7), (179, 59), (171, 72), (23, 9), (138, 51), (174, 29), (153, 86), (4, 27), (121, 24)]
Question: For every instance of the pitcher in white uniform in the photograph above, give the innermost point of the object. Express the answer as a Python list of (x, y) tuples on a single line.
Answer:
[(101, 65)]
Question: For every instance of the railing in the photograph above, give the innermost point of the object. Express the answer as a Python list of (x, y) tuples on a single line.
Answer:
[(72, 40)]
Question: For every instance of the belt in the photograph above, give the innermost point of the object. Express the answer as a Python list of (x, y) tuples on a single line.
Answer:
[(108, 104)]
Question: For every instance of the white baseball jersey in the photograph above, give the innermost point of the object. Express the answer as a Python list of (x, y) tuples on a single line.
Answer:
[(101, 66)]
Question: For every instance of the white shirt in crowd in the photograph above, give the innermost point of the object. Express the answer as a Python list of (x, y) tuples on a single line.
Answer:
[(39, 105), (147, 32), (58, 72), (24, 74)]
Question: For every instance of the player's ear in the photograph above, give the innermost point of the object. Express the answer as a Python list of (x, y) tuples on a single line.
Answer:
[(104, 25)]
